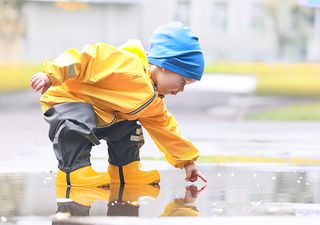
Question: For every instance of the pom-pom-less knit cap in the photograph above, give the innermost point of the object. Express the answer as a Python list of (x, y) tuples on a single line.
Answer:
[(176, 48)]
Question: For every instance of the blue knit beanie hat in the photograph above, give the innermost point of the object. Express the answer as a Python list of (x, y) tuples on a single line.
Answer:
[(174, 47)]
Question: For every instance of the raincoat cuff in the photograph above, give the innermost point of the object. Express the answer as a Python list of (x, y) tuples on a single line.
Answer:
[(181, 163), (45, 68)]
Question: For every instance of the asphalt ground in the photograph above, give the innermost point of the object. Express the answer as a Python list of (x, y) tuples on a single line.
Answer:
[(26, 146), (286, 152)]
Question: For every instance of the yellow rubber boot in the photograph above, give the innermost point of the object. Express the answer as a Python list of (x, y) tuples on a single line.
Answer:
[(82, 177), (132, 174), (82, 195)]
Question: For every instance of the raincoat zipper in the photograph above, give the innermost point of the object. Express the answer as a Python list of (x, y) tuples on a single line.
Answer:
[(145, 104), (109, 124), (133, 112)]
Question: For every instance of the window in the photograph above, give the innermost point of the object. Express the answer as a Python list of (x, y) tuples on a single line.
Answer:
[(257, 17), (220, 15), (183, 11)]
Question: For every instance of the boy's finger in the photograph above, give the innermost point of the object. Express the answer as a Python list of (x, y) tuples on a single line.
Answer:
[(202, 176), (33, 81), (34, 77), (36, 83), (40, 85), (36, 86)]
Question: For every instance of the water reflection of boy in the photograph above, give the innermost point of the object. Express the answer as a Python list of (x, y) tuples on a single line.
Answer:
[(124, 199), (184, 206), (77, 201)]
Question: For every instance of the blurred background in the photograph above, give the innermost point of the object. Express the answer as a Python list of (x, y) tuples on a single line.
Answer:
[(259, 95), (258, 102), (267, 47)]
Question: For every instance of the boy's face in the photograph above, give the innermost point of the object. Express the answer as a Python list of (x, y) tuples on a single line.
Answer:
[(170, 83)]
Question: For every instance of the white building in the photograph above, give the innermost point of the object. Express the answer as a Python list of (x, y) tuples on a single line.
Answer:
[(228, 29)]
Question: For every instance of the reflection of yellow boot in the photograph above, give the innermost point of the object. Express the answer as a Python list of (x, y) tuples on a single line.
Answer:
[(82, 195), (132, 174), (124, 198), (81, 177), (131, 193)]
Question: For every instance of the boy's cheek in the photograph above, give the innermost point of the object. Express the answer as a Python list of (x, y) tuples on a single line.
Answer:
[(161, 90)]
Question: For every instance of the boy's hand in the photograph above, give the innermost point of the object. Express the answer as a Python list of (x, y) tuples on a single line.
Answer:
[(40, 81), (192, 173)]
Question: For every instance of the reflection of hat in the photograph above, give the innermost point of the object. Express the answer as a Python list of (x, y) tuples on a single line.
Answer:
[(174, 47)]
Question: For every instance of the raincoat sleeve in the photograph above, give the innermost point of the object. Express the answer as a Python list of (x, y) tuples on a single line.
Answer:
[(92, 64), (164, 130)]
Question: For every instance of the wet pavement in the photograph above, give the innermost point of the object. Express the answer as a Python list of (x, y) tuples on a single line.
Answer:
[(245, 191), (280, 184), (25, 140)]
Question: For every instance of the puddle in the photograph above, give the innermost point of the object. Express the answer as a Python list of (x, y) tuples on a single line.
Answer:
[(231, 191)]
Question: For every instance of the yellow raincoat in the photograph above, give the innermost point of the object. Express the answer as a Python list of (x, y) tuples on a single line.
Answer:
[(117, 83)]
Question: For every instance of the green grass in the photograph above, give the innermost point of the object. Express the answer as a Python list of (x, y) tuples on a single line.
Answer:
[(299, 112), (16, 76)]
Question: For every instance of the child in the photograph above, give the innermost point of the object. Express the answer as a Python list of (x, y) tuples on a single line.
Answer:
[(103, 91)]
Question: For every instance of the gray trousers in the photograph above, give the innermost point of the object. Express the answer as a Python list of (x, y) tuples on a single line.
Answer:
[(73, 132)]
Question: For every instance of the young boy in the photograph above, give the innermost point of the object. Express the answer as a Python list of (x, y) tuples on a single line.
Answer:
[(101, 93)]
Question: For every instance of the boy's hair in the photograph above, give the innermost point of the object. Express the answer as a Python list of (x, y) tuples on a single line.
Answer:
[(175, 47)]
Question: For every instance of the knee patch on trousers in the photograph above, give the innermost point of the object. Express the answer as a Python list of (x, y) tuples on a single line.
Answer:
[(74, 127)]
